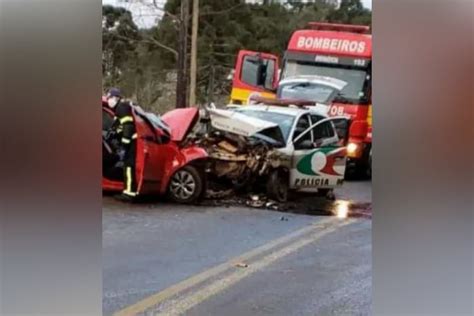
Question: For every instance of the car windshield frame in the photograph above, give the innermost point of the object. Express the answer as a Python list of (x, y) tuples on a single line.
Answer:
[(273, 117), (356, 77)]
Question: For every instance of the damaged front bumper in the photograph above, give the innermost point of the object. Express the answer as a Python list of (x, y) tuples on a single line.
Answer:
[(239, 154)]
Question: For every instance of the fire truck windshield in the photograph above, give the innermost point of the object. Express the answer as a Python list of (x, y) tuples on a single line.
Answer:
[(307, 91), (353, 92)]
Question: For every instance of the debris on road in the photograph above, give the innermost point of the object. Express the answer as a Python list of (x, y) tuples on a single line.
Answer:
[(241, 265), (299, 203), (272, 205), (211, 194)]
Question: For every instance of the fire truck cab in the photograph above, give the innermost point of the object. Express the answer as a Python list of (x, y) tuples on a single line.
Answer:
[(338, 51)]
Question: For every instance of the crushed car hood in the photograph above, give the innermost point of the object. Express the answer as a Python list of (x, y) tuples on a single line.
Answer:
[(181, 122), (238, 123), (155, 121)]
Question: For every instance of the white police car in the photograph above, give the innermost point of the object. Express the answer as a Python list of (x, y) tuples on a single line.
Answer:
[(312, 143)]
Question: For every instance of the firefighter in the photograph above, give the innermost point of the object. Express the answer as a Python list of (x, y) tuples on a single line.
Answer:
[(124, 125)]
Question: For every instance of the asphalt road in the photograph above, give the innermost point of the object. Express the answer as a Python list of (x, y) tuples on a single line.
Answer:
[(201, 260)]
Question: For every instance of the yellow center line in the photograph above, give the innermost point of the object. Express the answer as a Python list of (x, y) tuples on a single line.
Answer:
[(317, 230), (183, 304)]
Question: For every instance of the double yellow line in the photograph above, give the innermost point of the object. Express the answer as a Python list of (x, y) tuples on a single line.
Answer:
[(190, 294)]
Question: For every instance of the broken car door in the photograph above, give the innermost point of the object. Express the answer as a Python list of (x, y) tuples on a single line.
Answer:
[(319, 156), (151, 154)]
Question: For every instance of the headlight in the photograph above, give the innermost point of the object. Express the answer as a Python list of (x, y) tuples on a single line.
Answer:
[(351, 148)]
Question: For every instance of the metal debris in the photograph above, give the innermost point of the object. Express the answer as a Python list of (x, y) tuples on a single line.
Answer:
[(241, 265), (236, 158), (210, 194)]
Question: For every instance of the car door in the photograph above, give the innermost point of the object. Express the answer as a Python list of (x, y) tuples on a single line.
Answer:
[(255, 73), (319, 156), (153, 150)]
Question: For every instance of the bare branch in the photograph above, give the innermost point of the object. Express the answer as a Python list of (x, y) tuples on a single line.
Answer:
[(159, 44), (151, 40), (223, 54)]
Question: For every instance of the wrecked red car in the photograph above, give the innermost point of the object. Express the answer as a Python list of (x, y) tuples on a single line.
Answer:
[(165, 165)]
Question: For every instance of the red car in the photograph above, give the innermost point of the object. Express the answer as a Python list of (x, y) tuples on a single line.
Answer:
[(163, 164)]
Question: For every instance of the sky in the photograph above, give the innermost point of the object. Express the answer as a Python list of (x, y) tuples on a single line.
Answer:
[(143, 12), (145, 16), (367, 4)]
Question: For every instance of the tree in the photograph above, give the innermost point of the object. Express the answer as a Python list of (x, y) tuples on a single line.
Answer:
[(352, 12), (143, 62), (119, 36)]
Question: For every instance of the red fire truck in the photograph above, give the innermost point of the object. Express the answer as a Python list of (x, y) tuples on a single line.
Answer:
[(323, 50)]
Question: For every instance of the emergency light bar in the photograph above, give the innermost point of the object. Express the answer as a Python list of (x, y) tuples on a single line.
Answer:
[(362, 29)]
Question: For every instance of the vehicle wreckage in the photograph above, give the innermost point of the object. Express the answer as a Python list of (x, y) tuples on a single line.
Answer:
[(272, 149), (241, 149), (257, 148)]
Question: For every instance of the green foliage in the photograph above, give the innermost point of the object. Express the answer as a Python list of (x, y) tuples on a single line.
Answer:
[(141, 65), (351, 12), (119, 38)]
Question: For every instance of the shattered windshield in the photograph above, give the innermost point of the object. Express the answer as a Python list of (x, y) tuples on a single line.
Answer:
[(284, 121), (307, 91)]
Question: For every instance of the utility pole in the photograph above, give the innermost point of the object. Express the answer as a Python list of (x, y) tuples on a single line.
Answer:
[(181, 83), (193, 70)]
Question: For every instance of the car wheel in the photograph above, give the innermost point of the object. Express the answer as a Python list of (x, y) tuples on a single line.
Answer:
[(323, 192), (277, 186), (186, 185)]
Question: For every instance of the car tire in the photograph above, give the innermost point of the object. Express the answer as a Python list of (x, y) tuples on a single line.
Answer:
[(358, 172), (277, 186), (323, 192), (369, 166), (186, 186)]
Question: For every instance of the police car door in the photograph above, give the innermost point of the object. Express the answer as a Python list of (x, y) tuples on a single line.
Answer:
[(319, 156)]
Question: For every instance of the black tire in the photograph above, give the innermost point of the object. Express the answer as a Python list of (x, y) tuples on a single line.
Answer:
[(369, 167), (277, 186), (323, 192), (182, 182), (359, 172)]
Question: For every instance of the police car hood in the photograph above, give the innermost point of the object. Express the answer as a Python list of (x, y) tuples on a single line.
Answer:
[(238, 123)]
